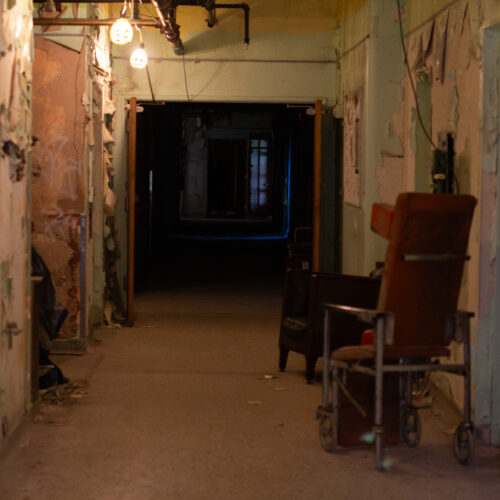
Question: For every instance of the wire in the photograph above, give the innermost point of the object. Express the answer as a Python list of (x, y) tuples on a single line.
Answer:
[(150, 85), (124, 9), (185, 77), (150, 13), (414, 90)]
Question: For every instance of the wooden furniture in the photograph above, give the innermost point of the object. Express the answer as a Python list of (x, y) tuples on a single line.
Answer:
[(302, 314), (415, 319)]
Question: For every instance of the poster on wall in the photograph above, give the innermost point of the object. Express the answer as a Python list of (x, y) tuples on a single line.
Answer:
[(352, 129)]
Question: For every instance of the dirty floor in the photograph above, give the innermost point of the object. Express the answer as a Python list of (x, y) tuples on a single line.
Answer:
[(179, 407)]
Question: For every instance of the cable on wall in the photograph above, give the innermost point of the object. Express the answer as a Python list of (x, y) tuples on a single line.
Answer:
[(410, 76), (185, 77), (150, 85)]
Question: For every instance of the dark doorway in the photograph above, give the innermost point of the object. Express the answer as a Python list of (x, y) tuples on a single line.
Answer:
[(226, 178), (219, 190)]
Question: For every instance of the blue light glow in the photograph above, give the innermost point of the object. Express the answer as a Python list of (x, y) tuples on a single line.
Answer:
[(285, 230)]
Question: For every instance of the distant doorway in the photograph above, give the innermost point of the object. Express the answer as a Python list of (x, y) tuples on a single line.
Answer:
[(226, 182), (219, 186)]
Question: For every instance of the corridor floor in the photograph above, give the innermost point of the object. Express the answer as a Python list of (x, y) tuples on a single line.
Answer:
[(179, 407)]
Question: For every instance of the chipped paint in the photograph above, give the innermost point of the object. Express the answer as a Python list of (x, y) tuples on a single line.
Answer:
[(447, 60), (15, 149), (6, 281), (59, 178), (17, 160)]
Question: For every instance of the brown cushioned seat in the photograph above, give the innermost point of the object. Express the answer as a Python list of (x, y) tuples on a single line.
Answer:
[(352, 353)]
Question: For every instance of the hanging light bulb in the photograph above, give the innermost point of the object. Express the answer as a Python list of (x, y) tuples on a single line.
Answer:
[(121, 31), (139, 58)]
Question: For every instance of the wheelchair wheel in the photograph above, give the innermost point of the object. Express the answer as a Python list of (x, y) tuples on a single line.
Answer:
[(412, 428), (327, 433), (463, 443)]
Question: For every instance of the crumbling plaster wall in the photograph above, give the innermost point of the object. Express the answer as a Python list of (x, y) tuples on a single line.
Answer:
[(59, 168), (453, 50), (371, 66), (290, 59), (15, 151), (445, 50), (487, 348), (72, 105), (350, 43)]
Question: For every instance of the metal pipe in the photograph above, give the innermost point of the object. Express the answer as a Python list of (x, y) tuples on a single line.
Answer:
[(243, 6), (326, 356), (460, 369), (160, 13), (169, 27), (335, 400), (87, 22), (379, 390), (236, 60), (467, 392), (212, 18)]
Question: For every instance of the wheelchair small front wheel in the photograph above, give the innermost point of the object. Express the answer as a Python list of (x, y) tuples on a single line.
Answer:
[(328, 433), (412, 428), (463, 443)]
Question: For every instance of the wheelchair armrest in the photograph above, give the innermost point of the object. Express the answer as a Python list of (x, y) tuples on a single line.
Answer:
[(367, 315), (362, 313)]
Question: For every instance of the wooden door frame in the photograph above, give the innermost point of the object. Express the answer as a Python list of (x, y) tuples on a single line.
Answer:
[(132, 140)]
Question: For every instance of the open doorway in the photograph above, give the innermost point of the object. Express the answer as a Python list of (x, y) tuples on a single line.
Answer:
[(219, 189)]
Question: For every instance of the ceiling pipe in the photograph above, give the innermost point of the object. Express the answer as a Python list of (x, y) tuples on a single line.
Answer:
[(166, 10), (246, 10), (42, 21), (210, 7), (171, 30)]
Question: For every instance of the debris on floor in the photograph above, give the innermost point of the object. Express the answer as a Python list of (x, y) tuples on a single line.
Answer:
[(108, 315), (64, 394)]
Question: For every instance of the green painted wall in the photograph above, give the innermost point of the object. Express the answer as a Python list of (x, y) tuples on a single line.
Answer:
[(372, 61), (458, 98)]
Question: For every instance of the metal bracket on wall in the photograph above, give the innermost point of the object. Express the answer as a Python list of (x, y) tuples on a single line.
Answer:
[(11, 330)]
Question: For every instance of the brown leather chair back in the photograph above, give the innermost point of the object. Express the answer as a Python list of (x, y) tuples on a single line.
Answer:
[(424, 264)]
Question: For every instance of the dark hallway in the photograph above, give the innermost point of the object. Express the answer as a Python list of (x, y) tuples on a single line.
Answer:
[(191, 262), (219, 190)]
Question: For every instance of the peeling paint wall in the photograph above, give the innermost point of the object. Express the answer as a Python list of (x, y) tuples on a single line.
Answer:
[(15, 151), (487, 346), (351, 37), (370, 63), (444, 52), (59, 173), (72, 161), (453, 55)]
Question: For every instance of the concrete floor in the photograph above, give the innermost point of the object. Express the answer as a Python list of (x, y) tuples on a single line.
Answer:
[(178, 407)]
